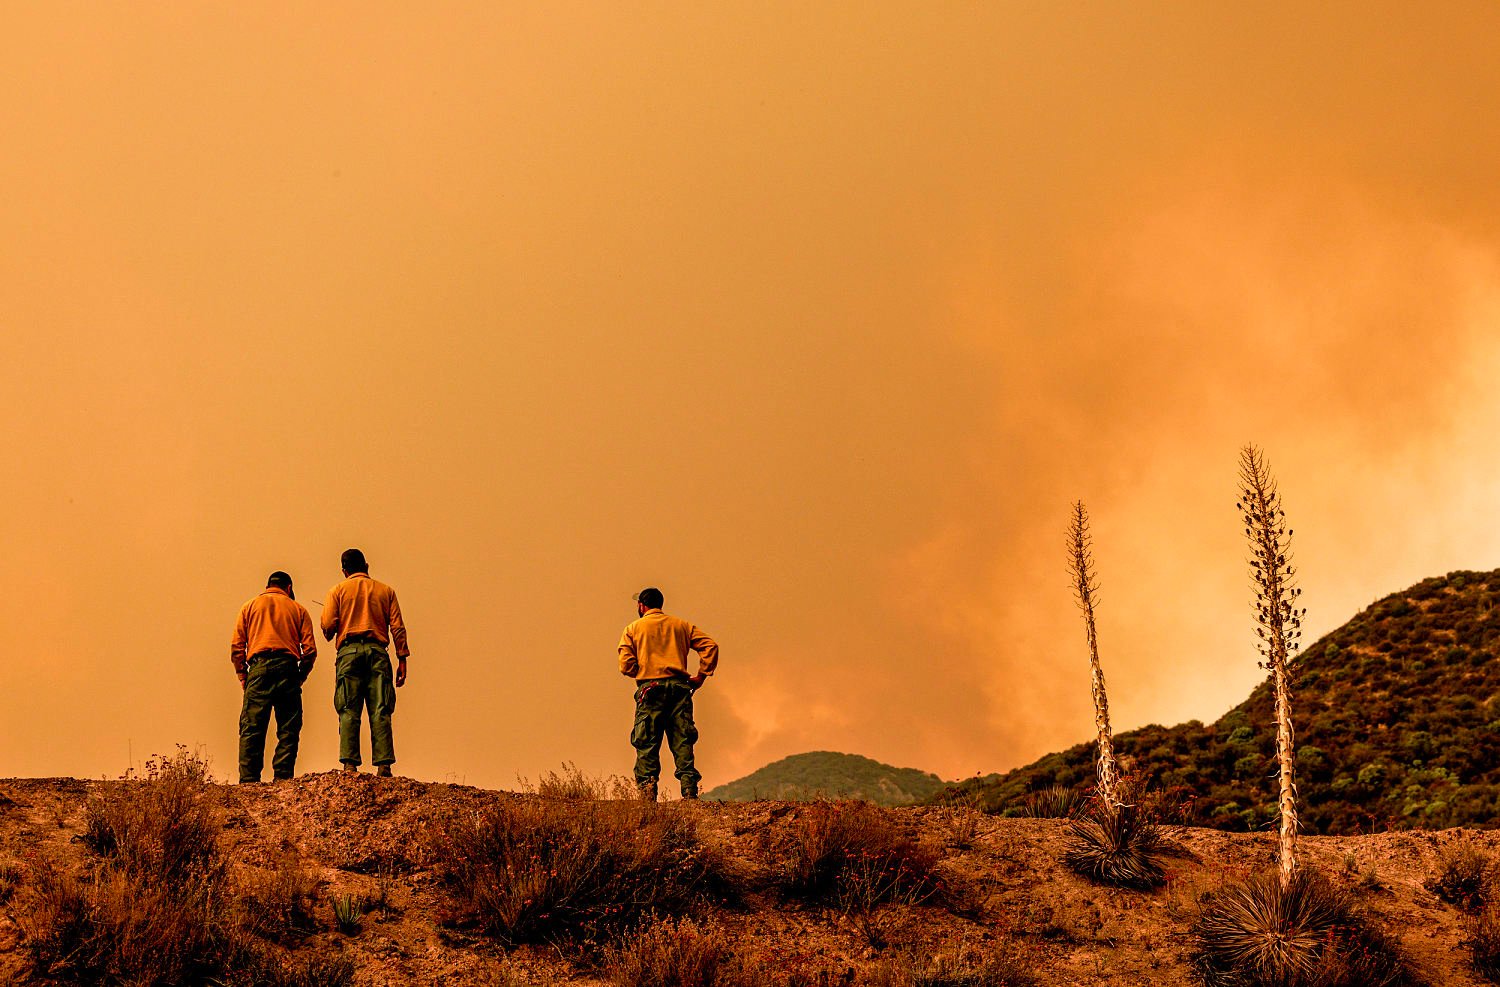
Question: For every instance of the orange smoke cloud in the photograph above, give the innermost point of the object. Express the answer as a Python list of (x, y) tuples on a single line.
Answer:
[(817, 322)]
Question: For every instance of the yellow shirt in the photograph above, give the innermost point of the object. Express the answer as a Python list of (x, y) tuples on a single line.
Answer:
[(272, 621), (655, 646), (361, 605)]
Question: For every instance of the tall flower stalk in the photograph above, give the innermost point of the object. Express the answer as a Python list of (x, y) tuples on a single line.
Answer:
[(1279, 623), (1085, 592)]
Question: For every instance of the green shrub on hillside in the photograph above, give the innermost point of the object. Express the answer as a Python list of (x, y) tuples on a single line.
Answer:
[(1401, 729)]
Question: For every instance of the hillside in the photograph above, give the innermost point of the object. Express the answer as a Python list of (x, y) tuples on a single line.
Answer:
[(1398, 725), (281, 854), (825, 774)]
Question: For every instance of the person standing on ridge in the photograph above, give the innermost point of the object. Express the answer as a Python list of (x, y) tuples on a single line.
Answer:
[(653, 651), (273, 652), (366, 619)]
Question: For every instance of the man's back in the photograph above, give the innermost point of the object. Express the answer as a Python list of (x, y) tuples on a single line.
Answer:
[(273, 621), (361, 605), (656, 645)]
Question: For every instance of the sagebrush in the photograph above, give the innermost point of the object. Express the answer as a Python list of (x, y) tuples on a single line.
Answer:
[(534, 870)]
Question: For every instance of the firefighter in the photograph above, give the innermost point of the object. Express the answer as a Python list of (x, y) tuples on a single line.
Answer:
[(273, 652), (653, 651), (364, 617)]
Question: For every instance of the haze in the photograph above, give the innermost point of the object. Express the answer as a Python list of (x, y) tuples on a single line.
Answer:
[(816, 316)]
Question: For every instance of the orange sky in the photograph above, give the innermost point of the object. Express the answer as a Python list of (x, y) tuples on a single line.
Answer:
[(818, 317)]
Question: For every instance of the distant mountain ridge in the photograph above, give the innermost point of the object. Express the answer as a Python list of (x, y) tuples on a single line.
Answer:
[(1397, 717), (828, 774)]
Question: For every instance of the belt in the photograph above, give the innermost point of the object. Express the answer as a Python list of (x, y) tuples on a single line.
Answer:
[(363, 637), (268, 654), (644, 687)]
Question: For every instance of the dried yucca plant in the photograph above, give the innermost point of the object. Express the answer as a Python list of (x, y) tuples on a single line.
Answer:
[(1279, 623), (1085, 591)]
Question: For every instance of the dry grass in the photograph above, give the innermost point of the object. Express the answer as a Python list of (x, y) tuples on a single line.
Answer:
[(10, 879), (541, 869), (110, 925), (1482, 939), (1052, 802), (277, 902), (162, 826), (155, 906), (854, 855), (1463, 877), (571, 783), (963, 968), (1303, 934), (682, 953), (670, 953)]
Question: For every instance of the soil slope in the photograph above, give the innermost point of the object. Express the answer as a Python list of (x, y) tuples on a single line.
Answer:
[(356, 831)]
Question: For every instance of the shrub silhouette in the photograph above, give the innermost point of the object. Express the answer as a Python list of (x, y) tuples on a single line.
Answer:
[(156, 905), (535, 869), (1463, 877), (854, 853), (1482, 939)]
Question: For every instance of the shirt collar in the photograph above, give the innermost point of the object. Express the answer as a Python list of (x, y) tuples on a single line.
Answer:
[(359, 575), (273, 589)]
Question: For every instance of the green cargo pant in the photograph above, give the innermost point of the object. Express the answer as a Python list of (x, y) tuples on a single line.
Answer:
[(272, 684), (363, 678), (665, 707)]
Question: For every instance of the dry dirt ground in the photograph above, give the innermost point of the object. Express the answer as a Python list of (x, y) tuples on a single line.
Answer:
[(359, 832)]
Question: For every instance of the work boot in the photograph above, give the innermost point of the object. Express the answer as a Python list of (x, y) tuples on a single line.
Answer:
[(383, 771), (689, 793), (647, 790), (351, 769)]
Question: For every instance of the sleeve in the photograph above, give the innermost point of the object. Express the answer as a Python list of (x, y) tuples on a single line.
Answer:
[(240, 641), (708, 651), (331, 615), (309, 646), (398, 628), (629, 664)]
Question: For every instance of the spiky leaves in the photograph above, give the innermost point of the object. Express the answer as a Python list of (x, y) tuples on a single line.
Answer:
[(1085, 592), (1120, 845), (1278, 622), (1304, 932)]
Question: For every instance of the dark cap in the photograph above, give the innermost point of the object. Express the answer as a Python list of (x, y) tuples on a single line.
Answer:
[(650, 597), (279, 579)]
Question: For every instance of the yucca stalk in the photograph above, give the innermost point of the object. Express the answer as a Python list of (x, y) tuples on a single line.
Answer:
[(1085, 592), (1279, 623)]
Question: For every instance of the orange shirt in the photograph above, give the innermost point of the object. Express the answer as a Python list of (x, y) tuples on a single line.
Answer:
[(361, 605), (272, 621), (655, 646)]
